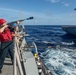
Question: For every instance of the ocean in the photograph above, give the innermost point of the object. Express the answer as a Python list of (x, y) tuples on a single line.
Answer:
[(55, 47)]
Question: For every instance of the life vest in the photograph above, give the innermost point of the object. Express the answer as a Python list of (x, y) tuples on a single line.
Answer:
[(5, 36)]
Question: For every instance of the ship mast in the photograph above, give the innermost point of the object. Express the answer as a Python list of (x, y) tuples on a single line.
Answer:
[(22, 21)]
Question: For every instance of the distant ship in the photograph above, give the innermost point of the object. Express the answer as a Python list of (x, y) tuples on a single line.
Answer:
[(70, 29)]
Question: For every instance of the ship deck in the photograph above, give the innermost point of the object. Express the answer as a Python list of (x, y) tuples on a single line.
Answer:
[(7, 67)]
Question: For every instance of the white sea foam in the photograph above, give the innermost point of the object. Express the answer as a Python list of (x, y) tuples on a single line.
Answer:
[(66, 43), (46, 42), (60, 63)]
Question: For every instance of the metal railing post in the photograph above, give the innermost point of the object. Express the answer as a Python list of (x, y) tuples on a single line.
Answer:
[(14, 66), (17, 59), (19, 63)]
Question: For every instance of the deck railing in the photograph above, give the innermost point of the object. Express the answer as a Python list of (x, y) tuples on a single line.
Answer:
[(17, 58), (41, 65)]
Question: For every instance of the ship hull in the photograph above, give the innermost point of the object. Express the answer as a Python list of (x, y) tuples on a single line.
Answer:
[(70, 29)]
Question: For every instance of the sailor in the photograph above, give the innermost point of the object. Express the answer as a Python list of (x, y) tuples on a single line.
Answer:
[(12, 28), (6, 42)]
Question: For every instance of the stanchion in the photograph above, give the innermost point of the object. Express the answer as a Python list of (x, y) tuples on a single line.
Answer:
[(14, 65), (17, 59)]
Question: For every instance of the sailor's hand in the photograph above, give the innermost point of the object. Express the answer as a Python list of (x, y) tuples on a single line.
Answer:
[(6, 26), (17, 35), (3, 27)]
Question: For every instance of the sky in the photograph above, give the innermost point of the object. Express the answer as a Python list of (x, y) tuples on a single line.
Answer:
[(45, 12)]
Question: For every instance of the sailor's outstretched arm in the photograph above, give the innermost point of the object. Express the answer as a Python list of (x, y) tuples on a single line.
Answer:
[(14, 34)]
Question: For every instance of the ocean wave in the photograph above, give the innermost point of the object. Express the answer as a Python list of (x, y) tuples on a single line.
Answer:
[(61, 63), (68, 43)]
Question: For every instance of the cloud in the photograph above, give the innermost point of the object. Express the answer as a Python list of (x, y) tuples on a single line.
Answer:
[(72, 15), (66, 4), (6, 9), (56, 1), (53, 1)]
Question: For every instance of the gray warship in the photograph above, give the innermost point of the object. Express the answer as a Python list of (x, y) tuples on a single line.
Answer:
[(71, 29)]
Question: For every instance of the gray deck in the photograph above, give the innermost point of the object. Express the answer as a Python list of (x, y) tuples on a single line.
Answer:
[(29, 63), (7, 68)]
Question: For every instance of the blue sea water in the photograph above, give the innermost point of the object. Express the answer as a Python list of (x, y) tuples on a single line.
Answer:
[(56, 48)]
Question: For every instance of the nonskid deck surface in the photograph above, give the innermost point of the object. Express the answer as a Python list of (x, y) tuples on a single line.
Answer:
[(7, 67)]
